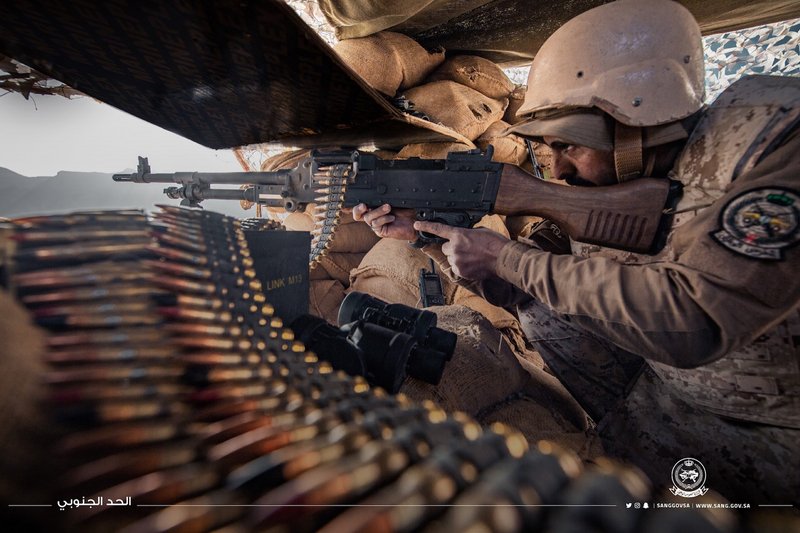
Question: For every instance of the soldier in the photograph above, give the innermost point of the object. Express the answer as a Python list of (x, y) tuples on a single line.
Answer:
[(691, 352)]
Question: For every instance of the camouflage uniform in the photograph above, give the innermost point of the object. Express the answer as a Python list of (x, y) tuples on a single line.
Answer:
[(691, 352)]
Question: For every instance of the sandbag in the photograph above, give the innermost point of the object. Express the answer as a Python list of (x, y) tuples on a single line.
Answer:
[(515, 100), (432, 150), (299, 221), (507, 148), (476, 73), (457, 107), (482, 372), (357, 18), (352, 236), (544, 410), (338, 266), (389, 61), (283, 160), (485, 380), (324, 298), (521, 226), (390, 271)]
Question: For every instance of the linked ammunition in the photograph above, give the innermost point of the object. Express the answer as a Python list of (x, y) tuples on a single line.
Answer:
[(421, 491), (178, 269), (158, 488), (118, 411), (121, 372), (131, 305), (96, 274), (93, 293), (225, 429), (376, 464), (115, 437), (85, 218), (268, 471), (184, 241), (221, 358), (114, 336), (26, 238), (98, 391), (177, 284), (119, 467), (98, 320), (84, 251), (212, 511), (99, 353), (513, 492)]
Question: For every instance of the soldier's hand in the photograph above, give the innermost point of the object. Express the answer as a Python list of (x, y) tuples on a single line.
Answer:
[(472, 253), (387, 222)]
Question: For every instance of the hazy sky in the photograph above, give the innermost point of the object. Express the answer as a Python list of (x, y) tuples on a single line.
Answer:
[(41, 136)]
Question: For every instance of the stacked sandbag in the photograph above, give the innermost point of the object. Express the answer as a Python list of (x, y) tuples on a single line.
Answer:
[(485, 380), (476, 73), (389, 61), (431, 150), (456, 106), (390, 271), (329, 278)]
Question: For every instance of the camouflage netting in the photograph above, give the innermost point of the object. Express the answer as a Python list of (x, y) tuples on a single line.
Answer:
[(769, 49)]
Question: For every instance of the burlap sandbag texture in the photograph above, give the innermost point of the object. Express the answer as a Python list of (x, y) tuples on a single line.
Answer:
[(485, 380), (330, 276), (476, 73), (324, 298), (389, 61), (390, 271), (507, 148), (456, 106), (432, 150), (515, 100)]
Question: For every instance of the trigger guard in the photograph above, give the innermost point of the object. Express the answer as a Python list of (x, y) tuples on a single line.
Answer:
[(424, 239)]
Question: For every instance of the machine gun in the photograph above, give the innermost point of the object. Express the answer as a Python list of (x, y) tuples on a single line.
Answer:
[(457, 191)]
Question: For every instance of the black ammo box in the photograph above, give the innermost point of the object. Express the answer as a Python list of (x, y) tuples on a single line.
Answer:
[(281, 263)]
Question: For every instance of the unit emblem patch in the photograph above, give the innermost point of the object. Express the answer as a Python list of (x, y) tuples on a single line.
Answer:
[(761, 223)]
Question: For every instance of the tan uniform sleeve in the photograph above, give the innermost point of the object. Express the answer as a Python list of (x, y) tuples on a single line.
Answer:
[(708, 301), (496, 291)]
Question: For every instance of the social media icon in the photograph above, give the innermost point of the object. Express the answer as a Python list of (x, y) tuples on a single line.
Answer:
[(628, 505), (637, 505), (645, 505)]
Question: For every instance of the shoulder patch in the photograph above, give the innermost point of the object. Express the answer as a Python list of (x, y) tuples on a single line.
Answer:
[(760, 223)]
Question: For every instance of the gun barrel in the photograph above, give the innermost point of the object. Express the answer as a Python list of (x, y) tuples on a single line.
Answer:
[(229, 178)]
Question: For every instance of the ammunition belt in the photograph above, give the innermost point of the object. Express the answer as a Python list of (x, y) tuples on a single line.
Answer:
[(181, 390)]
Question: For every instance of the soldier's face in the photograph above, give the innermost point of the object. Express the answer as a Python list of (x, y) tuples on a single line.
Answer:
[(579, 165)]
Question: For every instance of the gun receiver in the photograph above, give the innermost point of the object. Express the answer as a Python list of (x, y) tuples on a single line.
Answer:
[(457, 191)]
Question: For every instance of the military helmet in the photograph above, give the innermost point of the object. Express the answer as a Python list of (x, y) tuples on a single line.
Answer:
[(640, 61)]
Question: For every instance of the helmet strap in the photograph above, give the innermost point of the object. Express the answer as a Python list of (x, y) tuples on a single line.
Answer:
[(627, 152)]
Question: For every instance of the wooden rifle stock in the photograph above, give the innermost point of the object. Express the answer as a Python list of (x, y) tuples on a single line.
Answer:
[(624, 216)]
